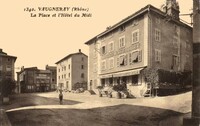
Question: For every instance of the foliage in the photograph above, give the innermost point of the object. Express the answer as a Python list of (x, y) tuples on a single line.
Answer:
[(156, 76), (80, 85), (7, 86), (118, 87), (151, 76)]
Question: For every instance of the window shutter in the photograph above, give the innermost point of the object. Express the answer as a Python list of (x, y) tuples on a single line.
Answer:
[(126, 59), (130, 60), (140, 56), (117, 61)]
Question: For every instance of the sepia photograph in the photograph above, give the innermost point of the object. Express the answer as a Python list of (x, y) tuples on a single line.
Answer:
[(100, 63)]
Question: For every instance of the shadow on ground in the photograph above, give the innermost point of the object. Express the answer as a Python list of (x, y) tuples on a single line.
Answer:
[(119, 115), (17, 101)]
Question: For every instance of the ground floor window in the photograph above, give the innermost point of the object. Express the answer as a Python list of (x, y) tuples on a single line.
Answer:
[(103, 82), (134, 79), (110, 81)]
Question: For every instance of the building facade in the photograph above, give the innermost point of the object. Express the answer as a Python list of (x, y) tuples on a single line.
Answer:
[(7, 66), (53, 71), (34, 80), (149, 38), (72, 71)]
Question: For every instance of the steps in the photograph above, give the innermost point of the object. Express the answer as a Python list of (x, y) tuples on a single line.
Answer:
[(148, 91)]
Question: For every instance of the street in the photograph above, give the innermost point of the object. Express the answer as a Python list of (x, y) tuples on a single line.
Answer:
[(91, 110)]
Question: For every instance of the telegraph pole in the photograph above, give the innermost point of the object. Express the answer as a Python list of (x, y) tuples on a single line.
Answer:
[(195, 117)]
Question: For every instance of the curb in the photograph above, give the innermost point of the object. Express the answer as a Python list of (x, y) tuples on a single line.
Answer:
[(4, 121)]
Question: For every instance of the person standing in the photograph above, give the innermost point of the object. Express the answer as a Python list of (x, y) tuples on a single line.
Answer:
[(61, 97)]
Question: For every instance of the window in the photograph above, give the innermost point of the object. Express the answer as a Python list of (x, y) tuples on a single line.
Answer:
[(8, 68), (103, 49), (135, 22), (64, 75), (111, 46), (157, 55), (135, 57), (68, 74), (103, 65), (122, 28), (158, 20), (122, 60), (135, 36), (175, 60), (59, 77), (82, 75), (134, 79), (69, 66), (82, 67), (111, 62), (122, 42), (175, 42), (58, 70), (82, 58), (157, 35), (176, 29)]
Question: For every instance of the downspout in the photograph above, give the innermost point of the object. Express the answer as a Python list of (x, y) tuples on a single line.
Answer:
[(150, 39)]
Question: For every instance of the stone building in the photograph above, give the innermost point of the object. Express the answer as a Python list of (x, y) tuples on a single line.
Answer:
[(7, 66), (33, 79), (53, 71), (149, 38), (72, 71)]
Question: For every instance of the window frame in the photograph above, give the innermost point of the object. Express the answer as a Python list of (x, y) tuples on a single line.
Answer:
[(137, 37), (157, 36), (158, 55), (120, 42)]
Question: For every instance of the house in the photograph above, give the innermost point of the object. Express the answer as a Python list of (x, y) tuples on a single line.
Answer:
[(53, 71), (72, 71), (7, 67), (151, 38), (33, 79)]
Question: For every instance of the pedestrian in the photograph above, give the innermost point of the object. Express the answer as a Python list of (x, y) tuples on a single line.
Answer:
[(61, 97)]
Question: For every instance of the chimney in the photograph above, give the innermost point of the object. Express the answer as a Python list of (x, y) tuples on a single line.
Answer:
[(22, 68), (79, 50), (172, 9)]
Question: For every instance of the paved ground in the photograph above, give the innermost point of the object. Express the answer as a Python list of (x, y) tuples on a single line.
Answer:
[(91, 110)]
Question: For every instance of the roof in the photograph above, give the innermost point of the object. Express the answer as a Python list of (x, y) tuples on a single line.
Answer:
[(35, 69), (70, 55), (143, 10), (44, 71), (3, 54)]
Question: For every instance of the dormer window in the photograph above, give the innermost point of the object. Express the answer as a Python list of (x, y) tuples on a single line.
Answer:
[(135, 22), (122, 28)]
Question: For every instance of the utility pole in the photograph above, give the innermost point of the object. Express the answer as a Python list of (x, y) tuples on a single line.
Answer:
[(195, 117)]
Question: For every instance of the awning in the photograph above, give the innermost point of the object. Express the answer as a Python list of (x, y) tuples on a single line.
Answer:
[(106, 76), (121, 74), (134, 56)]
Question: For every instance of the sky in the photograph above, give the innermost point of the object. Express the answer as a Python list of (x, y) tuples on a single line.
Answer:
[(38, 41)]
